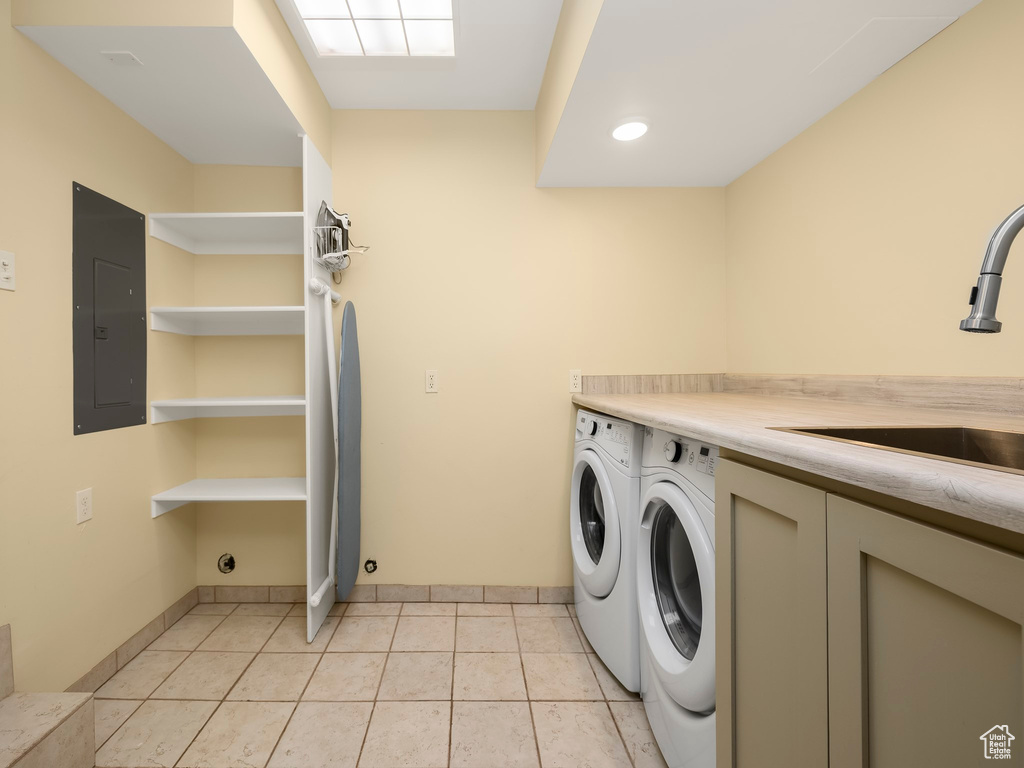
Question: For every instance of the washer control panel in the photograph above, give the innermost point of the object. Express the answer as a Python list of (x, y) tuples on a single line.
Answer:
[(691, 458), (621, 440)]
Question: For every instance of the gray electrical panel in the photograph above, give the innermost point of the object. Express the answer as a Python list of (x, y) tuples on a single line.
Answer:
[(109, 293)]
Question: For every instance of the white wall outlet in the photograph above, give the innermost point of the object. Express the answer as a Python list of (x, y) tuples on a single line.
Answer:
[(6, 271), (575, 380), (83, 505), (431, 383)]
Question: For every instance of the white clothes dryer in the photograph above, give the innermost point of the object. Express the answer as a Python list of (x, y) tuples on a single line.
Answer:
[(603, 523), (676, 596)]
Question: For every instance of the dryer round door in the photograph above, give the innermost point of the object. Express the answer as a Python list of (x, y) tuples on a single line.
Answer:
[(594, 525), (676, 591)]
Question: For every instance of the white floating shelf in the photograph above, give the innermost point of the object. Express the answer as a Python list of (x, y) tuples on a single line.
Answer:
[(230, 321), (226, 407), (219, 233), (240, 489)]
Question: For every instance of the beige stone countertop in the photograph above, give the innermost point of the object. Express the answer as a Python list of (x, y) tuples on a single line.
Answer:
[(740, 422)]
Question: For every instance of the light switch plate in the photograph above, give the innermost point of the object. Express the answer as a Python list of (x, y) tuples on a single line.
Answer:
[(83, 506), (7, 282)]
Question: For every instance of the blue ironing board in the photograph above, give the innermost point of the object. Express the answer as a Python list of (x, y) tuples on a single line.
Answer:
[(349, 434)]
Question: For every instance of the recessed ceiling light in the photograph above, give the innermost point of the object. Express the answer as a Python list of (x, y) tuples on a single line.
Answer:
[(379, 27), (629, 131)]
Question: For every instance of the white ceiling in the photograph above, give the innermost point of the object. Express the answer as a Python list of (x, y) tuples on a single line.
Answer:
[(722, 84), (501, 50), (199, 89)]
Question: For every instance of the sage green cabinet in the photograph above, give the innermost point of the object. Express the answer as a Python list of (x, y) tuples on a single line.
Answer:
[(925, 642), (772, 633), (853, 637)]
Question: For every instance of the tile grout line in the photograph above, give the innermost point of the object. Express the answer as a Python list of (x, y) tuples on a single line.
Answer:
[(198, 731), (376, 693), (615, 724), (111, 735), (149, 697), (579, 630), (451, 689), (223, 699), (252, 660), (529, 701), (295, 704), (295, 708), (309, 680), (188, 655), (232, 687)]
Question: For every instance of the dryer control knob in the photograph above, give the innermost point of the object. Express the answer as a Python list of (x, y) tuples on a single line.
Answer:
[(673, 451), (592, 429)]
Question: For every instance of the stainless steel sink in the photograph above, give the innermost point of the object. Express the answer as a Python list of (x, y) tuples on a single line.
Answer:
[(987, 448)]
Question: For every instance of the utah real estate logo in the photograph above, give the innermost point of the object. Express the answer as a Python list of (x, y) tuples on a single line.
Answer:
[(997, 742)]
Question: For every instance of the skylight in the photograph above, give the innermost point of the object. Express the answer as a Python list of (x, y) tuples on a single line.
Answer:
[(379, 27)]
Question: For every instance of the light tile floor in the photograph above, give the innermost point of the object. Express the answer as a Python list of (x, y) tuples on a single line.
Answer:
[(383, 685)]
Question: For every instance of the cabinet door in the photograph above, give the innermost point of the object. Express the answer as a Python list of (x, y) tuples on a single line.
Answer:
[(925, 642), (772, 657)]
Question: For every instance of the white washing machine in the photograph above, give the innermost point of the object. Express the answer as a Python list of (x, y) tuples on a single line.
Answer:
[(603, 521), (676, 596)]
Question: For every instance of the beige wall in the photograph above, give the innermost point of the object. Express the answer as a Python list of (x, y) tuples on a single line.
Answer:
[(118, 13), (74, 593), (264, 31), (853, 248), (502, 287), (258, 22), (572, 35)]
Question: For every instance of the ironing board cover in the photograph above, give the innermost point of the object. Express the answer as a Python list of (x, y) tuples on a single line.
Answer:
[(349, 433)]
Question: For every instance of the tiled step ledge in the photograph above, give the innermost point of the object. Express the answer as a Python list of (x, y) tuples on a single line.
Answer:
[(47, 730), (988, 394), (393, 593), (42, 730)]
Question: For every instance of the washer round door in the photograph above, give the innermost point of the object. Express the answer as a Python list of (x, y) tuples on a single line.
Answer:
[(676, 590), (594, 525)]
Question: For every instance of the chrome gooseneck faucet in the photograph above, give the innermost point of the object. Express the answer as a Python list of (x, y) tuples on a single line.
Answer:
[(985, 295)]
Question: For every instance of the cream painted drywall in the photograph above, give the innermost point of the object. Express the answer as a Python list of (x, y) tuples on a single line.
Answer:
[(264, 31), (258, 22), (118, 13), (501, 287), (74, 593), (575, 25), (247, 188), (853, 248), (268, 541)]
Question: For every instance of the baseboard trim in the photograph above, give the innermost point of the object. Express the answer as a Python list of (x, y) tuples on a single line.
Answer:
[(91, 681), (392, 593)]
